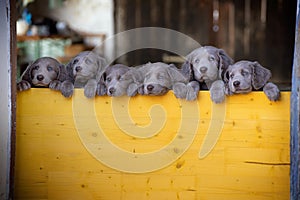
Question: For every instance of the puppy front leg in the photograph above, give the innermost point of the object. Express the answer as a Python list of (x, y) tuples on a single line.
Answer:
[(23, 85), (272, 91), (217, 91), (55, 85), (67, 88), (193, 88), (180, 90), (90, 88)]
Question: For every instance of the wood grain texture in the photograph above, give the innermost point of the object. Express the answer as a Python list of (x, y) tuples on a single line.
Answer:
[(250, 159)]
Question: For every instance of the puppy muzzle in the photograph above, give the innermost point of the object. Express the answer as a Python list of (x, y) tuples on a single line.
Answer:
[(238, 87), (155, 89)]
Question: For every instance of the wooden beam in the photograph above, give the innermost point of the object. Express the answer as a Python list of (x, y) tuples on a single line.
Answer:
[(294, 143), (13, 91)]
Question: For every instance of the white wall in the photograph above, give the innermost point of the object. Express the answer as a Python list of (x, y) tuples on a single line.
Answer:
[(5, 102), (93, 16), (90, 17)]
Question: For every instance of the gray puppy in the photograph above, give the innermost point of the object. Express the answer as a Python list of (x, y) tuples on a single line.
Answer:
[(111, 82), (43, 72), (84, 71), (207, 65), (153, 79), (244, 76)]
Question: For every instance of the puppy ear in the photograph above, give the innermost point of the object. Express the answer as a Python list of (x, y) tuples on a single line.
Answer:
[(176, 76), (192, 54), (173, 66), (101, 89), (102, 65), (62, 73), (138, 74), (225, 79), (103, 77), (224, 62), (27, 74), (69, 72), (260, 75), (186, 70), (225, 76)]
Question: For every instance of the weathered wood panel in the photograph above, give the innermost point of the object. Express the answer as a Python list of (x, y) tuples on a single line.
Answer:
[(295, 118), (57, 141), (261, 30)]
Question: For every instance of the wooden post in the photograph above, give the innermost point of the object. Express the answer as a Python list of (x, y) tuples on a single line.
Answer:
[(7, 97), (294, 143)]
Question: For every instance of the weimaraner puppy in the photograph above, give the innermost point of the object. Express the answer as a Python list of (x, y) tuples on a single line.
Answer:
[(244, 76), (84, 71), (207, 64), (43, 72), (111, 82), (153, 79)]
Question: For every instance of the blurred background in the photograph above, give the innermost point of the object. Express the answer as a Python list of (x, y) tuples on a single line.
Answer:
[(257, 30)]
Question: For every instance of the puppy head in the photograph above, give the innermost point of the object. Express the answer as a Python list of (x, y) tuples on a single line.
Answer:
[(242, 76), (160, 77), (42, 71), (207, 63), (86, 65), (114, 81)]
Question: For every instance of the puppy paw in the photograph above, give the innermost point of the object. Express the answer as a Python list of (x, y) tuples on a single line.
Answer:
[(217, 96), (217, 92), (191, 94), (180, 90), (23, 85), (272, 92), (90, 91), (67, 89), (192, 91), (55, 85), (90, 88)]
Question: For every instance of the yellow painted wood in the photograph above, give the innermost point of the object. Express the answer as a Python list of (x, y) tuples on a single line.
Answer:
[(61, 155)]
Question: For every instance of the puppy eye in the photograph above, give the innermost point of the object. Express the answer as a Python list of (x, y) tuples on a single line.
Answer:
[(36, 67), (197, 61), (49, 68), (231, 75), (211, 58), (108, 79), (75, 61), (88, 61), (161, 77), (244, 73)]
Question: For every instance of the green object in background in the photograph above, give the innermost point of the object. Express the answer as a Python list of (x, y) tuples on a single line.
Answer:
[(30, 50)]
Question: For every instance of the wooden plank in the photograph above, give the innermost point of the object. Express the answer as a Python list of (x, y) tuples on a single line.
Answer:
[(250, 159), (295, 124)]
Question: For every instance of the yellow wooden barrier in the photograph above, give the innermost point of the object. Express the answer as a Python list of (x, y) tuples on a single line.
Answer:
[(151, 147)]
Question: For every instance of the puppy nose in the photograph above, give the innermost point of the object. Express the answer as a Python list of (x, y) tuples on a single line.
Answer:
[(150, 87), (78, 68), (236, 83), (40, 77), (111, 90), (203, 69)]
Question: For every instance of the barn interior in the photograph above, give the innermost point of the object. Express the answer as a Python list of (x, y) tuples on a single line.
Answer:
[(257, 30)]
